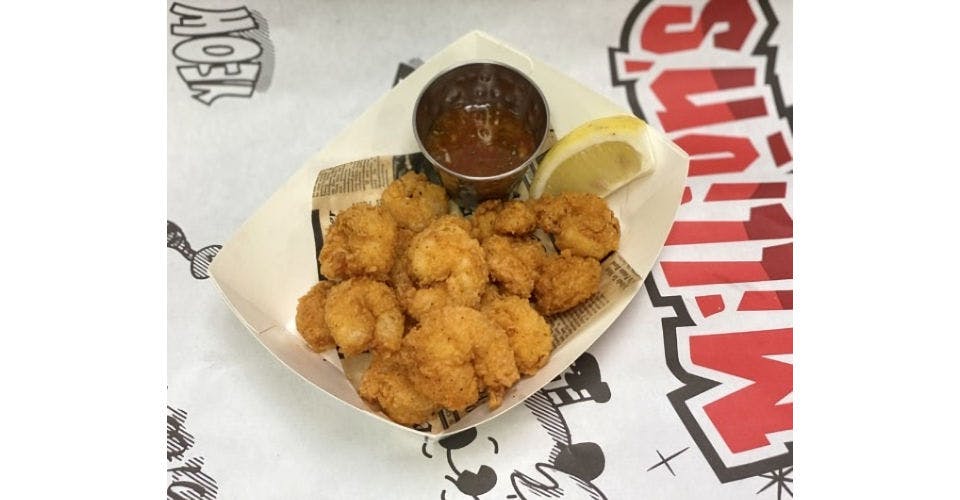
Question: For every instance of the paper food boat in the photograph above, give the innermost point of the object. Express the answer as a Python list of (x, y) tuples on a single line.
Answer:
[(271, 260)]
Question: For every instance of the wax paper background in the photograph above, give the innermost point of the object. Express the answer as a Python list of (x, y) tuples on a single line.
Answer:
[(242, 426)]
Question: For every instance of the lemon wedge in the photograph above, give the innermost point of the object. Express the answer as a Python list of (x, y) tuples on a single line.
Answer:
[(597, 157)]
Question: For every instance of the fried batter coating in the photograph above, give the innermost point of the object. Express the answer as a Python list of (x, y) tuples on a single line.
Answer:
[(456, 220), (428, 299), (361, 242), (413, 201), (364, 314), (514, 262), (510, 218), (516, 218), (494, 362), (310, 321), (454, 353), (580, 222), (490, 293), (484, 218), (404, 237), (445, 256), (386, 384), (528, 331), (566, 281), (415, 301)]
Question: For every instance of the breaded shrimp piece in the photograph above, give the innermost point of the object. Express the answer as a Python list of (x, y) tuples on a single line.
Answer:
[(580, 222), (386, 384), (440, 357), (364, 314), (494, 362), (310, 321), (454, 353), (516, 218), (514, 262), (510, 218), (565, 281), (445, 256), (484, 218), (361, 242), (413, 201), (528, 331), (415, 301)]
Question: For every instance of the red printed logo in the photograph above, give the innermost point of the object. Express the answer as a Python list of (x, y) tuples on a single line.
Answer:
[(704, 72)]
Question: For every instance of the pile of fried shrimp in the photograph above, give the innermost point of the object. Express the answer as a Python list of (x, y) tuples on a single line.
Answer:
[(451, 307)]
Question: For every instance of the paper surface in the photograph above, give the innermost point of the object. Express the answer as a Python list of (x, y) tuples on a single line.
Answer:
[(270, 262), (634, 416)]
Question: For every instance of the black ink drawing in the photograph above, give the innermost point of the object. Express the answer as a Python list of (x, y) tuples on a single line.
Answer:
[(666, 461), (261, 36), (405, 68), (468, 482), (228, 51), (199, 260), (187, 480), (567, 470), (780, 478)]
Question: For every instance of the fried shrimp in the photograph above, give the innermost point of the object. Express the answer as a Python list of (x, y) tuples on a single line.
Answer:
[(451, 308), (566, 281), (484, 217), (514, 262), (528, 332), (310, 321), (415, 301), (364, 314), (511, 218), (386, 384), (361, 242), (413, 201), (424, 300), (456, 352), (516, 218), (445, 256), (580, 222)]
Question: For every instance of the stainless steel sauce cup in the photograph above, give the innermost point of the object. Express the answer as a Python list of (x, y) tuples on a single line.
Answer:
[(481, 83)]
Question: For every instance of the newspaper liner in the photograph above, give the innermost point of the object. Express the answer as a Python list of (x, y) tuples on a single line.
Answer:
[(271, 260)]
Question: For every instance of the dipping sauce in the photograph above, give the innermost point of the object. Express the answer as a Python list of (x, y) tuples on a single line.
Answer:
[(481, 140)]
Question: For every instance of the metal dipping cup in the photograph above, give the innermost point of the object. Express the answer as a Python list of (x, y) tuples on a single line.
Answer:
[(479, 83)]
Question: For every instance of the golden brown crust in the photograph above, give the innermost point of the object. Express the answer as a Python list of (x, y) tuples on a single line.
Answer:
[(529, 333), (565, 282), (310, 317), (364, 314), (413, 201), (454, 353), (361, 242), (386, 384), (484, 217), (445, 256), (516, 218), (580, 222), (514, 262)]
